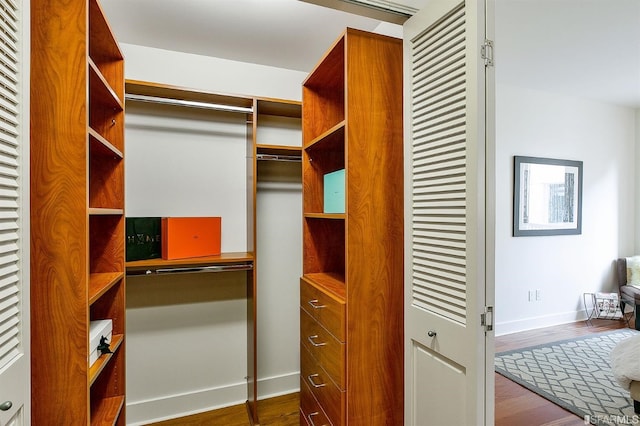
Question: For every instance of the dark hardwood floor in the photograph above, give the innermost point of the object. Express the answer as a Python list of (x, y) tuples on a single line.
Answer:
[(514, 404), (278, 411)]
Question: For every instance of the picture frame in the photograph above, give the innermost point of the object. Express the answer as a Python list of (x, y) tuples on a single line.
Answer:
[(547, 196)]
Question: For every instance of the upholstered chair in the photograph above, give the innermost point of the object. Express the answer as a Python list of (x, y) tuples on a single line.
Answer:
[(629, 293)]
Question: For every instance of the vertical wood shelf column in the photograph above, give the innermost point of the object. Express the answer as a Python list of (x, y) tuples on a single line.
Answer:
[(351, 291), (77, 213)]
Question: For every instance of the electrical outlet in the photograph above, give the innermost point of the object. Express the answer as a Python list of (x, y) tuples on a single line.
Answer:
[(531, 295), (538, 295)]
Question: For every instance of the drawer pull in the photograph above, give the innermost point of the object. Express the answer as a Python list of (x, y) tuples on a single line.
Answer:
[(310, 417), (310, 378), (315, 336), (314, 304)]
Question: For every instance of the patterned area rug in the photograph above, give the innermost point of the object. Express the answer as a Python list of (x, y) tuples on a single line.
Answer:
[(574, 374)]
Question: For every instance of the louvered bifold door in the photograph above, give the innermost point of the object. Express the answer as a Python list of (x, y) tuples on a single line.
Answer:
[(13, 128), (439, 169), (444, 77)]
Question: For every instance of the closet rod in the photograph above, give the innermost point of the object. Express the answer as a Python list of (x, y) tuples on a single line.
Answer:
[(195, 269), (185, 103), (274, 157)]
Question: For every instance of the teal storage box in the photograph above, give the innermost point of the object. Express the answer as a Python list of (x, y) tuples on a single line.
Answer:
[(334, 192)]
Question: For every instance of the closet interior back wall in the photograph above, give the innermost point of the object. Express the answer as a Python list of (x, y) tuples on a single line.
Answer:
[(188, 162), (187, 347), (187, 333), (279, 258)]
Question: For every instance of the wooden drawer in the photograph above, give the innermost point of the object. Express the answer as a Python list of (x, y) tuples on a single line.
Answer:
[(324, 308), (325, 348), (330, 398), (310, 412)]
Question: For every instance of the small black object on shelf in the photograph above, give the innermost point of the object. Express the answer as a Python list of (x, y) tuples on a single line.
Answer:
[(103, 347)]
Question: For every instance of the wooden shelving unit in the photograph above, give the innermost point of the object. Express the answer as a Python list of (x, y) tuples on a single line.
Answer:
[(77, 213), (351, 294), (257, 110)]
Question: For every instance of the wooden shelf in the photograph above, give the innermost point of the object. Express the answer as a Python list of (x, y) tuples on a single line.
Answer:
[(279, 107), (332, 216), (99, 211), (107, 173), (329, 72), (101, 363), (100, 89), (222, 259), (279, 150), (331, 281), (101, 146), (331, 140), (107, 413), (146, 88), (100, 283)]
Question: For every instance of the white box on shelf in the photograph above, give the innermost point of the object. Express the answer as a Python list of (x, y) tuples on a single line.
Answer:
[(97, 330)]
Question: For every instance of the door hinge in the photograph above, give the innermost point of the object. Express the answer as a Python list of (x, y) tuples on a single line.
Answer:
[(486, 51), (486, 318)]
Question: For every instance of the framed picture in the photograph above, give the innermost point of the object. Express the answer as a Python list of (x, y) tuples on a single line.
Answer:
[(547, 197)]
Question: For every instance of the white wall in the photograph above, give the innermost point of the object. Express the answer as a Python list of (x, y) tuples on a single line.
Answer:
[(187, 162), (212, 74), (186, 334), (279, 241), (541, 124)]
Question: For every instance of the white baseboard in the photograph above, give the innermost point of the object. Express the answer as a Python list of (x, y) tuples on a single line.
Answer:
[(179, 405), (279, 385), (525, 324), (185, 404)]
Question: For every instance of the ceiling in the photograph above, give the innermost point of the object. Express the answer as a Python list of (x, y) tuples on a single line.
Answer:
[(588, 48), (290, 34)]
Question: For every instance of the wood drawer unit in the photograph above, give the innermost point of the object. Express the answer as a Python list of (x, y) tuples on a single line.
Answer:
[(352, 284), (310, 411), (325, 348), (325, 308), (329, 396)]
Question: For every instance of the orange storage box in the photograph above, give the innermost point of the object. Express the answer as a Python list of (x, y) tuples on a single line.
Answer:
[(184, 237)]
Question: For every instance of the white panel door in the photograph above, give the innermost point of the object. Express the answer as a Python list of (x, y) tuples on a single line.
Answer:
[(14, 214), (449, 353)]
